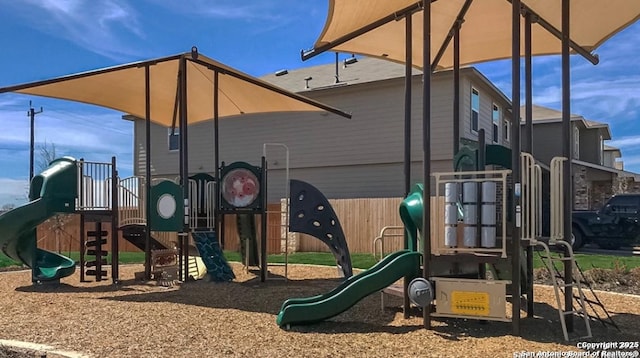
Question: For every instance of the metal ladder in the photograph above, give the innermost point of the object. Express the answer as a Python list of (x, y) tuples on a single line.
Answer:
[(559, 288), (283, 212)]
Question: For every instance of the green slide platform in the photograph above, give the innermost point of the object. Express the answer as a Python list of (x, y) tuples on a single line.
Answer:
[(314, 309), (51, 192)]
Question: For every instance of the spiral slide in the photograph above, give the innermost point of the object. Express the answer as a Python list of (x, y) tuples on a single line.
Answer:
[(53, 191), (298, 311)]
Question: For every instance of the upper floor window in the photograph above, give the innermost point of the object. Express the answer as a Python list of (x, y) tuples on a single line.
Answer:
[(495, 114), (576, 142), (506, 129), (475, 110), (174, 139)]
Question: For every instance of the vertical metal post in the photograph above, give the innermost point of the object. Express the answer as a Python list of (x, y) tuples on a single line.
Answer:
[(337, 75), (216, 154), (184, 152), (566, 152), (81, 207), (408, 82), (263, 223), (115, 251), (32, 117), (456, 89), (147, 184), (528, 142), (515, 165), (426, 151)]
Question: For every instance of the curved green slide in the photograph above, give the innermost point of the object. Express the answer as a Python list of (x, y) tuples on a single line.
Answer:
[(51, 192), (404, 263)]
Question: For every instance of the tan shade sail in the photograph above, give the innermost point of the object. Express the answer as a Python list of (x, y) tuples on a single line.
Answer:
[(485, 33), (123, 88)]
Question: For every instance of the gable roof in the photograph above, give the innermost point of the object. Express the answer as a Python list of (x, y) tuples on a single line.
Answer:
[(548, 115), (365, 70)]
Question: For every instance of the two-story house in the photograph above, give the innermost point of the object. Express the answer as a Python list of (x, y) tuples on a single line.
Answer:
[(357, 158), (597, 168)]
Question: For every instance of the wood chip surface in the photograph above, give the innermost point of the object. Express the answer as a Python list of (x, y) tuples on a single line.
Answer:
[(237, 319)]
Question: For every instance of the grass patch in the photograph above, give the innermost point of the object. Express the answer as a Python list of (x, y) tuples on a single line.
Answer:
[(588, 261), (363, 261)]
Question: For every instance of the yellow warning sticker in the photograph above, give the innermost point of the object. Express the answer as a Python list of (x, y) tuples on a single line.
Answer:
[(470, 303)]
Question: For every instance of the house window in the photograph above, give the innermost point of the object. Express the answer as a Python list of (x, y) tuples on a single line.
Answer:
[(174, 139), (496, 122), (475, 110), (506, 129), (576, 142)]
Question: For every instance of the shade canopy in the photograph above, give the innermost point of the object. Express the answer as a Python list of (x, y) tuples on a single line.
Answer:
[(123, 88), (371, 27)]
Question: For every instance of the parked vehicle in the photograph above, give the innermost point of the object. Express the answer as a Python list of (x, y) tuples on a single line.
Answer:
[(613, 226)]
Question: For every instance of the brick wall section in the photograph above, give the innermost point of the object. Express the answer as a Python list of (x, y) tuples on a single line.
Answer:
[(581, 188), (591, 195)]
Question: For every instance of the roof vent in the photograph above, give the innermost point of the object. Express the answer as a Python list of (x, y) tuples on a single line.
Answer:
[(281, 73)]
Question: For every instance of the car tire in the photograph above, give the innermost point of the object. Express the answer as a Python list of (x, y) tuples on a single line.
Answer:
[(577, 238)]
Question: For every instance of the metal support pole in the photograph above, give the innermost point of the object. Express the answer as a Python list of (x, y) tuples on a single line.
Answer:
[(184, 171), (263, 224), (456, 90), (408, 82), (115, 251), (216, 156), (426, 150), (147, 183), (32, 116), (515, 166), (566, 152), (528, 143)]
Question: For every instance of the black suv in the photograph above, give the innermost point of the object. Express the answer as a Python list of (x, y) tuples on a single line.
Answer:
[(611, 227)]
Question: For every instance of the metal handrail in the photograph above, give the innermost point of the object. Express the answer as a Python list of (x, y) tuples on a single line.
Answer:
[(383, 234)]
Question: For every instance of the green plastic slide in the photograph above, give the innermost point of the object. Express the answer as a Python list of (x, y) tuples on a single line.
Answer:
[(53, 191), (314, 309)]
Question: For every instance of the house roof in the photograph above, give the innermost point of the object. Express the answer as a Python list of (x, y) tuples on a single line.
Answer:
[(548, 115), (365, 70)]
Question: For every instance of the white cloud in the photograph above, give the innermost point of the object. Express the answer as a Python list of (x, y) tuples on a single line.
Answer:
[(625, 142), (13, 191), (98, 26)]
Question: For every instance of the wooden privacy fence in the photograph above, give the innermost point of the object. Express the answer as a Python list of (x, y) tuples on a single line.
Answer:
[(361, 220)]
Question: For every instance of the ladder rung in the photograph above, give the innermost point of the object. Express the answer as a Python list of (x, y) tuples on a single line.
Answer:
[(573, 311)]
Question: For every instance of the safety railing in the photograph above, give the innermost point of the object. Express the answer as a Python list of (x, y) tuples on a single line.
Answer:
[(557, 194), (386, 233), (531, 198), (132, 208)]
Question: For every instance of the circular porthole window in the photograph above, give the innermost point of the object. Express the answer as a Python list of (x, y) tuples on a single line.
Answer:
[(240, 188), (166, 206)]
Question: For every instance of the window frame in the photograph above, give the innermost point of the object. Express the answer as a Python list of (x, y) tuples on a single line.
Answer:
[(176, 134), (475, 130), (496, 114)]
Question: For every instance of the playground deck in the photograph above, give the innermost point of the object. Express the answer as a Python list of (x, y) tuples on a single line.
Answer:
[(238, 319)]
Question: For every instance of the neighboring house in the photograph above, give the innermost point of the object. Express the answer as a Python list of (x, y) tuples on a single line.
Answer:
[(597, 168), (357, 158)]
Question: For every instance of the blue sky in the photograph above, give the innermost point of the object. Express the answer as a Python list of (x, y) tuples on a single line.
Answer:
[(41, 39)]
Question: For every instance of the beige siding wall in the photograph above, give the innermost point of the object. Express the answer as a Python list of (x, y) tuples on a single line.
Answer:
[(359, 157), (545, 141), (590, 145)]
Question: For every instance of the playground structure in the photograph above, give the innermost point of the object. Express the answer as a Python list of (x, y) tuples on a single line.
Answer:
[(472, 272), (476, 298)]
